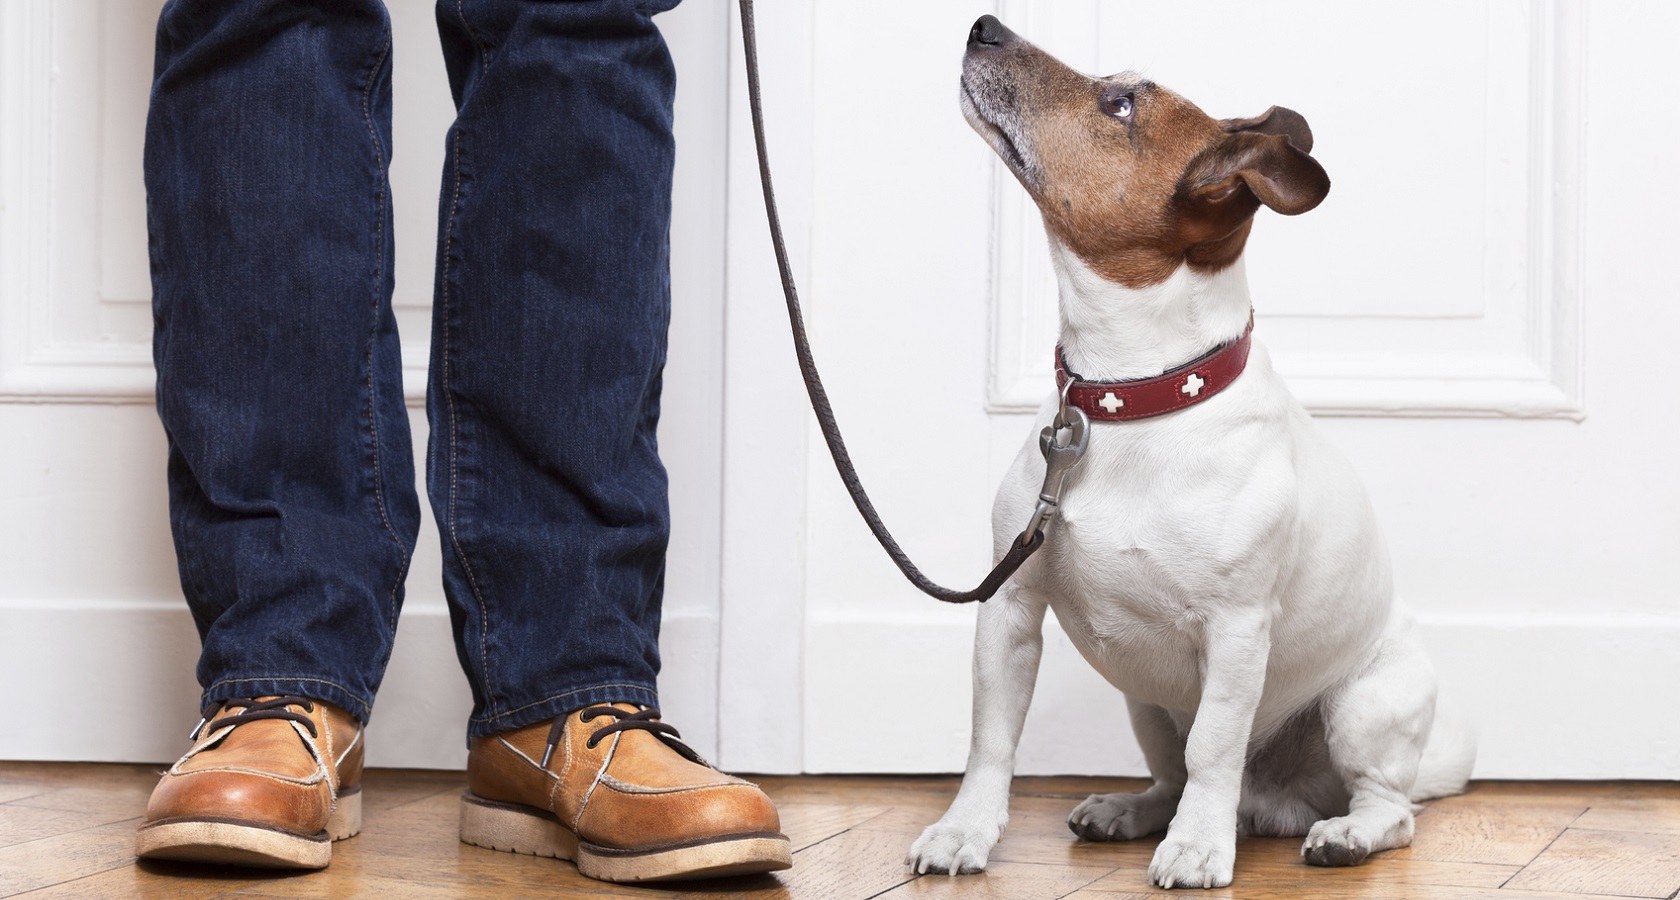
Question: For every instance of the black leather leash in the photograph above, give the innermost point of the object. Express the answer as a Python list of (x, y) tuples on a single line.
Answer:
[(1060, 455)]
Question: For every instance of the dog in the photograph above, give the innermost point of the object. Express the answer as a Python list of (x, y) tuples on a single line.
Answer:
[(1218, 562)]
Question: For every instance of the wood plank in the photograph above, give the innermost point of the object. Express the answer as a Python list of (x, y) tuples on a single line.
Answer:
[(63, 774), (1001, 881), (1029, 838), (848, 866), (21, 824), (335, 888), (1505, 831), (1275, 864), (1074, 787), (121, 800), (806, 824), (175, 881), (1650, 815), (1610, 838), (66, 856), (12, 791), (1347, 891), (388, 788), (933, 793), (415, 849), (1633, 864)]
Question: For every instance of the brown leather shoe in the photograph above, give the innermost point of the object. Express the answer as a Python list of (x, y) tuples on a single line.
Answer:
[(269, 782), (611, 788)]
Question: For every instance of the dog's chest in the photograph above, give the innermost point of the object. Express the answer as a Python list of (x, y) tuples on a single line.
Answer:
[(1156, 538)]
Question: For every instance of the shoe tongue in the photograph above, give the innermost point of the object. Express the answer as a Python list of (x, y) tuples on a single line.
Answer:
[(270, 745), (644, 758)]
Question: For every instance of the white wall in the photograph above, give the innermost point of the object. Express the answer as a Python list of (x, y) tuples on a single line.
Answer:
[(1477, 315)]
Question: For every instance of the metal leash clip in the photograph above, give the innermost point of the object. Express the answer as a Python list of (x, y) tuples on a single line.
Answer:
[(1059, 458)]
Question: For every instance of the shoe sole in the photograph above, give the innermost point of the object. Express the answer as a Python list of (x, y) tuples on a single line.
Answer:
[(513, 828), (231, 842)]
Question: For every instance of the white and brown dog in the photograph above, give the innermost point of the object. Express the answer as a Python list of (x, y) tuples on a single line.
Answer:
[(1217, 561)]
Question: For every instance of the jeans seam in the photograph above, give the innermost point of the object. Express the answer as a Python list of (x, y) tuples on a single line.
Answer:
[(560, 696), (455, 439), (299, 678), (483, 51), (373, 336)]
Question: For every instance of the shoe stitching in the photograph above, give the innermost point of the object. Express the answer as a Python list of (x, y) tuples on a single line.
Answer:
[(314, 749), (599, 774), (534, 764), (330, 773), (311, 781), (351, 746), (321, 759), (208, 741), (625, 787), (566, 760)]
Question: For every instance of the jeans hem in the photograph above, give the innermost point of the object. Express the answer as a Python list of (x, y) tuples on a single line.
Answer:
[(320, 689), (561, 704)]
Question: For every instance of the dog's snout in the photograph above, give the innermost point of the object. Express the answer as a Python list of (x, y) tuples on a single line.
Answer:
[(987, 30)]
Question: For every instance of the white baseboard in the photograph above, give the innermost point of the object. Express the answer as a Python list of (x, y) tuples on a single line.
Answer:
[(57, 660), (1552, 698)]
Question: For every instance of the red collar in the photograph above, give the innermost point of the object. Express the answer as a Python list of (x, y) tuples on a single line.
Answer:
[(1187, 385)]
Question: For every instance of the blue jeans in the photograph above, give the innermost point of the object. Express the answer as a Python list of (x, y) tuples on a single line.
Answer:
[(291, 482)]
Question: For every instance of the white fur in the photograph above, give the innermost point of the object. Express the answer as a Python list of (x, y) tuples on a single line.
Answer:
[(1222, 567)]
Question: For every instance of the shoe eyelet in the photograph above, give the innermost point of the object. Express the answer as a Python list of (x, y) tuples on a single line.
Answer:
[(590, 744)]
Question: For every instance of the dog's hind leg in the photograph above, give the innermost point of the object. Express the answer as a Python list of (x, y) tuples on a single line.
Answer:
[(1123, 816), (1008, 642), (1376, 724)]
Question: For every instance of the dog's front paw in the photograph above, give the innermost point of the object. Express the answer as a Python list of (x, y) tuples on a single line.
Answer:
[(1193, 862), (1335, 842), (1121, 817), (952, 846)]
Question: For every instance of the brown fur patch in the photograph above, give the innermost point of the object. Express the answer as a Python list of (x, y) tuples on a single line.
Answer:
[(1134, 197)]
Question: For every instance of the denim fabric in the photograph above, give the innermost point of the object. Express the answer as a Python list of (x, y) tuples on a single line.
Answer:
[(291, 483)]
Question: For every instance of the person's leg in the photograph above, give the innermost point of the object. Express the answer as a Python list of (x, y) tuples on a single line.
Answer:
[(553, 296), (291, 478), (550, 313), (291, 482)]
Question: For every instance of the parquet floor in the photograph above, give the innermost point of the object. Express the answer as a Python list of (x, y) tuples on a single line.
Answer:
[(66, 831)]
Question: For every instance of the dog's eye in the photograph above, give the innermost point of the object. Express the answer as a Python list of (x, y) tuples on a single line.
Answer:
[(1118, 105)]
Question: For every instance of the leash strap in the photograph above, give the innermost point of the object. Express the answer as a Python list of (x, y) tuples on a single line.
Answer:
[(1020, 548)]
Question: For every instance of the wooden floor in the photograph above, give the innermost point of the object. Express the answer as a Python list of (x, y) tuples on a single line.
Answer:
[(66, 830)]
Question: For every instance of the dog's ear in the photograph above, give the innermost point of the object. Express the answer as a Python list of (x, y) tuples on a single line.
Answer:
[(1277, 120), (1227, 182)]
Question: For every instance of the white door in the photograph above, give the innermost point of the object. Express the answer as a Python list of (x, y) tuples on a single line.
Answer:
[(1480, 315)]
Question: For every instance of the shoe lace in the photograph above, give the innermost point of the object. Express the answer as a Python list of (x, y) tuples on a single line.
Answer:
[(254, 710), (646, 720)]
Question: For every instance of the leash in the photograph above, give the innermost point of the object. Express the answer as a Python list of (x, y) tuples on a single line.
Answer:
[(1061, 451)]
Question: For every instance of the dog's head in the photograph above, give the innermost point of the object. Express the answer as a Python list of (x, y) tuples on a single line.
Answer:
[(1131, 177)]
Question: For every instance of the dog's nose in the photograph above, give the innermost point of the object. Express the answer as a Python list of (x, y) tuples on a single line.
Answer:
[(987, 30)]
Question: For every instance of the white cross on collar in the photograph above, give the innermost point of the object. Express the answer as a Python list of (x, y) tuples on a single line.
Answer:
[(1111, 403), (1192, 385)]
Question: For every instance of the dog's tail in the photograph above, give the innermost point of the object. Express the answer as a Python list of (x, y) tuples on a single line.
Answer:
[(1447, 759)]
